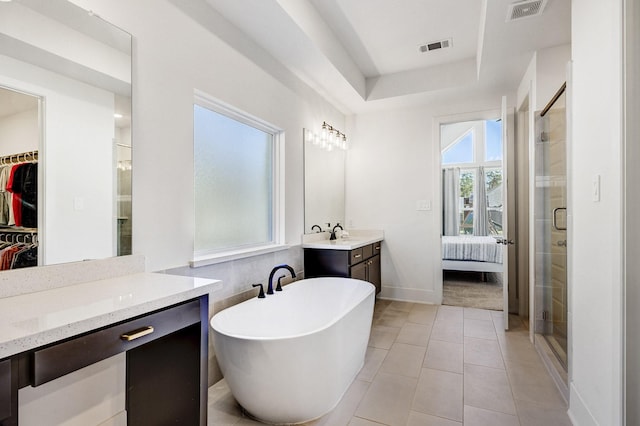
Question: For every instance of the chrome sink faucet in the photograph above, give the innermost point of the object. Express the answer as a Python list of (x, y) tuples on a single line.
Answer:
[(273, 272)]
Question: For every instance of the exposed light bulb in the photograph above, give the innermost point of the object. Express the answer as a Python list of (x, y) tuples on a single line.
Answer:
[(323, 133)]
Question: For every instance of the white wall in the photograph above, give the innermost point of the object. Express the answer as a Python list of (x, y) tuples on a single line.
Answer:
[(20, 132), (551, 72), (76, 159), (596, 239), (394, 161), (547, 72)]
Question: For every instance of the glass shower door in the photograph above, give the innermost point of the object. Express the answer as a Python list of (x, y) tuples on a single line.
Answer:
[(551, 227)]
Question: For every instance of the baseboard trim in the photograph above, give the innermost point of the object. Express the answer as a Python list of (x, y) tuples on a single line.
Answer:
[(579, 413), (553, 366), (409, 295)]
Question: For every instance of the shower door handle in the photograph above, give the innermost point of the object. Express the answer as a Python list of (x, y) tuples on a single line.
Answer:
[(555, 218)]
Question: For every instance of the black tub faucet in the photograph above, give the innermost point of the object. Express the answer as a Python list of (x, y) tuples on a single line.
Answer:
[(333, 231), (273, 272)]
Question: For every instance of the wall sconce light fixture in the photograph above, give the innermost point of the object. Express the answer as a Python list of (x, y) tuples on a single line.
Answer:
[(328, 139)]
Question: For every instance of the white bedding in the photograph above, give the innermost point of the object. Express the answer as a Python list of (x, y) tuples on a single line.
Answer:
[(471, 248)]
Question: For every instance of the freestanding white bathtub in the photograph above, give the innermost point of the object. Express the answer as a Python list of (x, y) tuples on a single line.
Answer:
[(289, 358)]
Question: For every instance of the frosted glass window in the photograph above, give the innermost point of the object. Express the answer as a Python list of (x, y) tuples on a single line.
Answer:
[(234, 183)]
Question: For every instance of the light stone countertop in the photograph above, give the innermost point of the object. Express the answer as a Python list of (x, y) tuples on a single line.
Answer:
[(32, 320), (356, 239)]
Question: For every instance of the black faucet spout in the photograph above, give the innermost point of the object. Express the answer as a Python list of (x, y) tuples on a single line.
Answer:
[(273, 272), (333, 231)]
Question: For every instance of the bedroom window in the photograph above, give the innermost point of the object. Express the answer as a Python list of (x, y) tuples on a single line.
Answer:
[(493, 182), (472, 177), (460, 151), (467, 184)]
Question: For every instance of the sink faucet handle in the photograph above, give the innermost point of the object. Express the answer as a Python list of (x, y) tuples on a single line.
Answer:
[(261, 294), (279, 287)]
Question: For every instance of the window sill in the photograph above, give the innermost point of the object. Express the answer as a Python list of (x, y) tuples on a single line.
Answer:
[(212, 259)]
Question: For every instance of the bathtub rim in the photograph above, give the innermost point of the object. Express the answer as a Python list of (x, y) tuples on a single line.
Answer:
[(324, 326)]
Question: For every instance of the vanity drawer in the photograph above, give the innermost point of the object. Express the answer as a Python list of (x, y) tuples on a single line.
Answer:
[(367, 251), (63, 358), (376, 247), (356, 256)]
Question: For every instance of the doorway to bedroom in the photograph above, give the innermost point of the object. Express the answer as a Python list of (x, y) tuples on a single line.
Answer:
[(472, 213)]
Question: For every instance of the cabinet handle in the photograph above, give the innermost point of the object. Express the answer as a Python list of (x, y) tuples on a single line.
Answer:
[(357, 256), (378, 248), (136, 334)]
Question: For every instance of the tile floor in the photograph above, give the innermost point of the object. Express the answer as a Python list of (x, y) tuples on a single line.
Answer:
[(436, 365)]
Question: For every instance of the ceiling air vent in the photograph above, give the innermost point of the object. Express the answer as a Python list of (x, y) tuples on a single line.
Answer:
[(525, 9), (435, 45)]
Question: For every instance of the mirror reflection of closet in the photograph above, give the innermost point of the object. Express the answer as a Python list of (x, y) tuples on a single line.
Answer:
[(20, 136), (80, 66)]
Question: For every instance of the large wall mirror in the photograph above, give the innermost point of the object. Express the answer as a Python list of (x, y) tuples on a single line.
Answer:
[(65, 135), (324, 185)]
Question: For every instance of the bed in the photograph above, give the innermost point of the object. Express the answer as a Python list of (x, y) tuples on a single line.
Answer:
[(471, 253)]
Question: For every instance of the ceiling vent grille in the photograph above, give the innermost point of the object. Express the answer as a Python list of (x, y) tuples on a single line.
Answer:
[(435, 45), (525, 9)]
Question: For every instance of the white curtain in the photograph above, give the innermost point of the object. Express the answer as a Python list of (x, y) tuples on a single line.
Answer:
[(450, 199), (480, 213)]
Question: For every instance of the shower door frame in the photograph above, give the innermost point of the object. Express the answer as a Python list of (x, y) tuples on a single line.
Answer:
[(562, 380), (547, 324)]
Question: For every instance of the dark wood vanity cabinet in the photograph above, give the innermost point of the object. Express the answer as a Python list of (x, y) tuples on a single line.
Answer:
[(6, 389), (362, 263), (166, 365)]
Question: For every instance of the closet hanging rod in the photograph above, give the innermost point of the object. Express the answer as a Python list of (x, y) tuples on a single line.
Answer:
[(23, 157), (19, 238), (554, 99)]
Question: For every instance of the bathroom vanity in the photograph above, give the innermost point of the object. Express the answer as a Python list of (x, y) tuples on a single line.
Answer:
[(355, 257), (159, 321)]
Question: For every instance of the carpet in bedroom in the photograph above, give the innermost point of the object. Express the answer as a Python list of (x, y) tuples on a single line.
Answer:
[(468, 290)]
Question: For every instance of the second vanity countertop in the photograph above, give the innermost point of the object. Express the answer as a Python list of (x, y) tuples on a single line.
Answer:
[(356, 239), (32, 320)]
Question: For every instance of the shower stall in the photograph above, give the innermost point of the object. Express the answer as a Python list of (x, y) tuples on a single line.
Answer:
[(550, 212)]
